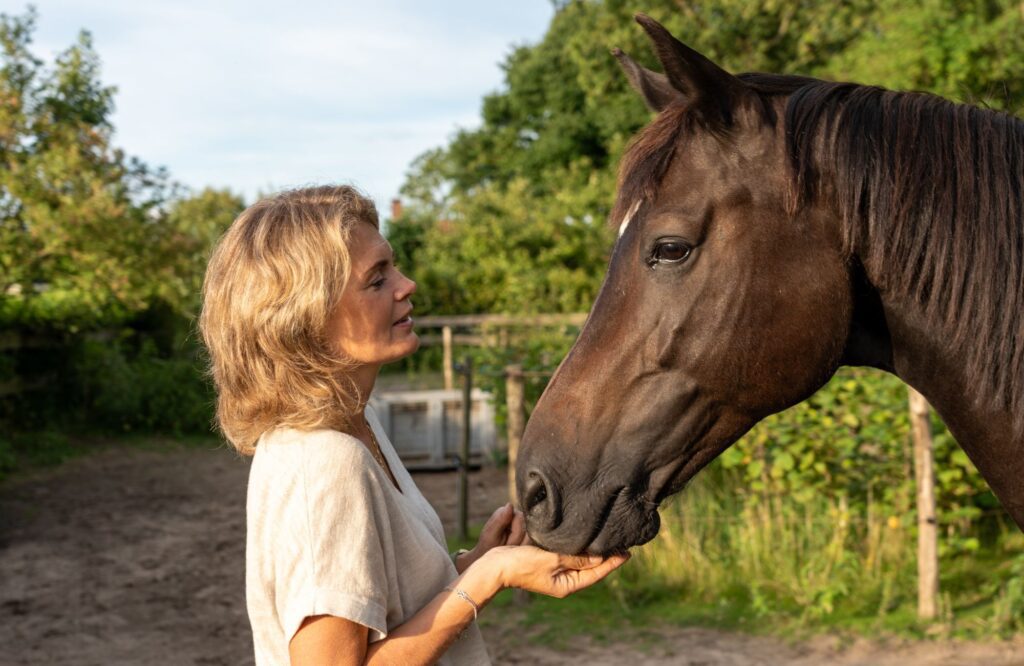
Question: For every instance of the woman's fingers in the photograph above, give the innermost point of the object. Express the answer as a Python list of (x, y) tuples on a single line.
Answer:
[(580, 562), (494, 530), (502, 515), (517, 530), (593, 574), (573, 580)]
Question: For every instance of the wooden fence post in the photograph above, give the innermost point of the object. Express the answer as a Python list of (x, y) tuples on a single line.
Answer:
[(514, 394), (446, 340), (927, 525), (467, 409)]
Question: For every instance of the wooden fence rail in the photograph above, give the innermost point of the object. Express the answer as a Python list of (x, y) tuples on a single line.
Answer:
[(486, 330), (456, 321)]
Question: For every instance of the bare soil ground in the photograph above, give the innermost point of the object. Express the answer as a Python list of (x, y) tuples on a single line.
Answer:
[(133, 556)]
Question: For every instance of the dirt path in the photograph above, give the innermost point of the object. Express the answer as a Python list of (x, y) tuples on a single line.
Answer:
[(136, 557)]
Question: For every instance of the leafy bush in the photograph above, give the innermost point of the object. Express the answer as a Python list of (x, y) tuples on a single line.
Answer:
[(108, 395), (39, 447), (8, 459), (124, 391)]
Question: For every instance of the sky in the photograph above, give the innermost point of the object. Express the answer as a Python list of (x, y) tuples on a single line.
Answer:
[(259, 96)]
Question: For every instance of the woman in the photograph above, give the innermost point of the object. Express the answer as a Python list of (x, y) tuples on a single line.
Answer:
[(345, 560)]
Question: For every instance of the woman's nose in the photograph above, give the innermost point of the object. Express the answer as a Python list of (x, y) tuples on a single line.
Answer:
[(408, 288)]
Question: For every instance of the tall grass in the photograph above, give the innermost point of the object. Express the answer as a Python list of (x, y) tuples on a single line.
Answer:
[(811, 563), (777, 555)]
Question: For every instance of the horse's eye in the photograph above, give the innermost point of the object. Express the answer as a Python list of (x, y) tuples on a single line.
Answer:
[(670, 252)]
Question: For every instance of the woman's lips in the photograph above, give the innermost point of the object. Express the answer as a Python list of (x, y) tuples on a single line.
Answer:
[(404, 322)]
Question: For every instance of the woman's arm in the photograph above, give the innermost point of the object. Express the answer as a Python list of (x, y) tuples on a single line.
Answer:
[(326, 639), (427, 634)]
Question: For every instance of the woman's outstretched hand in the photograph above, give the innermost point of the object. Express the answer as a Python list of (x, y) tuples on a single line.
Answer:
[(530, 568), (505, 557)]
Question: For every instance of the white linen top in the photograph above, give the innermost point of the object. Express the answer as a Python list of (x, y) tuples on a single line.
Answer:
[(329, 534)]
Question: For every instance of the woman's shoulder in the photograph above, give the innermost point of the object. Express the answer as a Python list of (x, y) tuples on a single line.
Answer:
[(325, 444), (324, 463)]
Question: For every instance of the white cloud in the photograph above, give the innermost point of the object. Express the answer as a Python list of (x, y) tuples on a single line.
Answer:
[(253, 94)]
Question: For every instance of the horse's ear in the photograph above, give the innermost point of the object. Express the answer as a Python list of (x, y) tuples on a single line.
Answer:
[(653, 87), (709, 87)]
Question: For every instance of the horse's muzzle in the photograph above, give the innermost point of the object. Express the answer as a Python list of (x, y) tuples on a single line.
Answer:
[(600, 522)]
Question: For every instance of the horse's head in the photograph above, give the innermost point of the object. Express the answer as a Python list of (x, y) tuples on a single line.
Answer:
[(724, 302)]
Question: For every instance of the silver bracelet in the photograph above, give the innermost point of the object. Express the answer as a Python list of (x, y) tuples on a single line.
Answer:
[(460, 593)]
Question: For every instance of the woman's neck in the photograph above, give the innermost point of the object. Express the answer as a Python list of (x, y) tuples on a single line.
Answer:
[(365, 377)]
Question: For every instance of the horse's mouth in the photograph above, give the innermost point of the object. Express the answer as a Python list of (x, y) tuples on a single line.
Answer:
[(624, 519), (628, 520)]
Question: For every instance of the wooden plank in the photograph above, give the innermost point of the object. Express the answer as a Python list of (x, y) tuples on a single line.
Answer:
[(19, 385), (10, 340), (467, 340), (514, 397), (440, 321), (429, 395), (449, 373), (464, 444), (15, 340), (927, 524)]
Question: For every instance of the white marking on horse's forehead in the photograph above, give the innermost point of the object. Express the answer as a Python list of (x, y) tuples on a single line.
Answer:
[(629, 217)]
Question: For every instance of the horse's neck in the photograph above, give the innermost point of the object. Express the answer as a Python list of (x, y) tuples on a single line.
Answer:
[(922, 358)]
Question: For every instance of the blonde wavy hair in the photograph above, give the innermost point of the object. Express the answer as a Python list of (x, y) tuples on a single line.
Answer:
[(271, 285)]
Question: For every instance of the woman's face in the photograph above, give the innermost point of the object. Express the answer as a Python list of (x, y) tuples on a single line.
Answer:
[(371, 324)]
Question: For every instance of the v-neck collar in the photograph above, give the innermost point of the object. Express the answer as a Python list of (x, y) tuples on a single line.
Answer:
[(407, 488)]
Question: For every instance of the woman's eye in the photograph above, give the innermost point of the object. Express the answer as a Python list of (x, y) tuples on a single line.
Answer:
[(378, 283), (670, 252)]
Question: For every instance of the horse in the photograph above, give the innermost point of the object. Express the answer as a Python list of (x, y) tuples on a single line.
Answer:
[(772, 228)]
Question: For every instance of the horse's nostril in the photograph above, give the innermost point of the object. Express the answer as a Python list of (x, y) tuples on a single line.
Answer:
[(539, 496), (540, 503), (536, 491)]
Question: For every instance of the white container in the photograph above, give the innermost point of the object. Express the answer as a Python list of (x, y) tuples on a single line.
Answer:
[(425, 427)]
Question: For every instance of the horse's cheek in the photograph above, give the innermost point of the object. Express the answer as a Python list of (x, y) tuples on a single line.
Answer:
[(798, 325)]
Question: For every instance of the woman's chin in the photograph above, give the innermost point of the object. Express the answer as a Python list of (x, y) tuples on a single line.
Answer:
[(406, 344)]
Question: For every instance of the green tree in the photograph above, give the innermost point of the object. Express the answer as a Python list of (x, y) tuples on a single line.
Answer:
[(520, 253), (91, 238), (965, 51), (192, 226), (79, 220)]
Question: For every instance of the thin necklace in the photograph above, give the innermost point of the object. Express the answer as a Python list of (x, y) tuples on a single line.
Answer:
[(377, 454)]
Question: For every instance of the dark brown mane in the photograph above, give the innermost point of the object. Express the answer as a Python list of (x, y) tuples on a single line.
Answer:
[(932, 195), (929, 190)]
